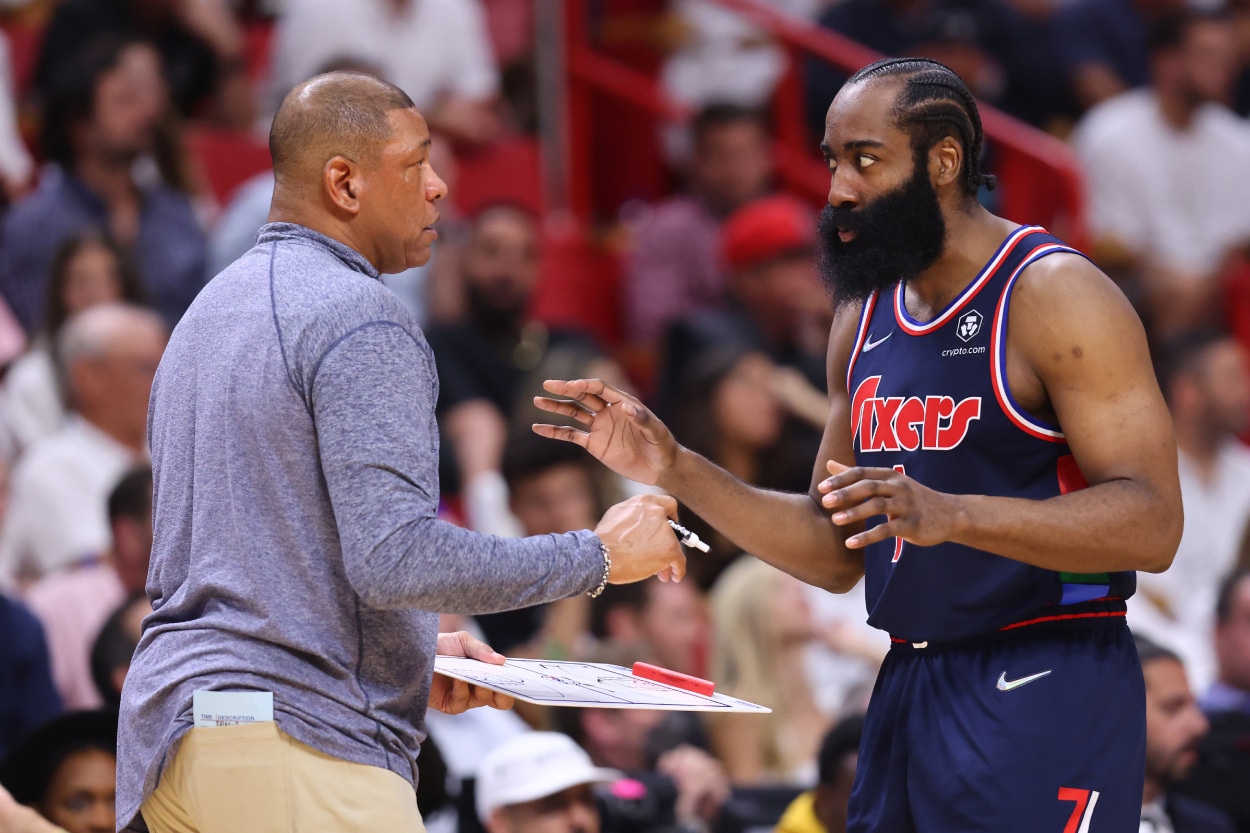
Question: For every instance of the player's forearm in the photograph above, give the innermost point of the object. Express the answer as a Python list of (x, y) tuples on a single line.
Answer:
[(787, 530), (1117, 525)]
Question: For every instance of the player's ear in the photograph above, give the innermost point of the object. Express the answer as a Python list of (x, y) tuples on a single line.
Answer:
[(946, 161)]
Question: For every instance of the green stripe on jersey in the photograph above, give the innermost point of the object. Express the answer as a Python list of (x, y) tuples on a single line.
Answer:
[(1085, 578)]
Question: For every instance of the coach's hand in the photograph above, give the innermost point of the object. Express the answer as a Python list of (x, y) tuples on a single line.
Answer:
[(455, 696), (640, 542), (915, 513), (621, 432)]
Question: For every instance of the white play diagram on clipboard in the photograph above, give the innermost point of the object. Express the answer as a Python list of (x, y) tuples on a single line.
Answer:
[(585, 685)]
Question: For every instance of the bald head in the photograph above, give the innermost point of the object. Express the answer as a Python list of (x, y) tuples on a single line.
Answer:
[(100, 329), (335, 114), (108, 355)]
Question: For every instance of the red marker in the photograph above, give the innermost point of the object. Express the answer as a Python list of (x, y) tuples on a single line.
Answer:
[(662, 675)]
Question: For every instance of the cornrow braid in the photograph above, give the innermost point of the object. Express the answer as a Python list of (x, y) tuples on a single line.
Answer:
[(934, 104)]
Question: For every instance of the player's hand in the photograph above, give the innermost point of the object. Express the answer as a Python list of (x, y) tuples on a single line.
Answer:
[(14, 818), (701, 781), (915, 513), (640, 541), (455, 696), (621, 432)]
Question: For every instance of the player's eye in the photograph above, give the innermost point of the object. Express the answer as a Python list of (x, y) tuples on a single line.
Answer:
[(865, 160)]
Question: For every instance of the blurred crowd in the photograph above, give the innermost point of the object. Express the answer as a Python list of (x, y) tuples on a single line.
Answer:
[(110, 226)]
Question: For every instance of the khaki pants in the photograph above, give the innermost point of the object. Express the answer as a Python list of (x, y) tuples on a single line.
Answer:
[(253, 778)]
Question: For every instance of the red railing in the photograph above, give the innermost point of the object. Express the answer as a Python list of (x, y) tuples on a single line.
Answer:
[(1040, 179)]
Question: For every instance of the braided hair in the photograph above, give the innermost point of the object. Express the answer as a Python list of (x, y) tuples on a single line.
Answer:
[(935, 103)]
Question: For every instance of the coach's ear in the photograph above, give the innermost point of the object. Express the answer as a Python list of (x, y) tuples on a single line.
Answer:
[(341, 183), (946, 162)]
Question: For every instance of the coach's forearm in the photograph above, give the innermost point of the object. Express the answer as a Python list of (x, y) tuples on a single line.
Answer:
[(1117, 525), (787, 530)]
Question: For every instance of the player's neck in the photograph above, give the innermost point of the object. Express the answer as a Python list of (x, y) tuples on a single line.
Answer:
[(972, 237)]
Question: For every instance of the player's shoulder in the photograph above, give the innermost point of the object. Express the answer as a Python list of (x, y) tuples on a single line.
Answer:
[(1064, 279), (1064, 299)]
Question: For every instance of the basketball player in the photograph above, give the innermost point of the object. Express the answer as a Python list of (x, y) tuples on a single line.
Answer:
[(999, 463)]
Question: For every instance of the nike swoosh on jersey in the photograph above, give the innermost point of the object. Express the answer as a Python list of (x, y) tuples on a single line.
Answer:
[(869, 344), (1007, 685)]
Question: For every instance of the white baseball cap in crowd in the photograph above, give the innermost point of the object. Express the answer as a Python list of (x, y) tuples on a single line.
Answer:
[(534, 765)]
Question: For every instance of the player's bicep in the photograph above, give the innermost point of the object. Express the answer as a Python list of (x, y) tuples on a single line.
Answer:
[(1088, 348)]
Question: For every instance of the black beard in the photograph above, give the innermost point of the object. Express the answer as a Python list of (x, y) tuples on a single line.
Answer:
[(897, 236)]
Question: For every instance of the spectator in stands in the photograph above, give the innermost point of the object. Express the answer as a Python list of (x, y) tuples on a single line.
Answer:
[(1175, 726), (16, 818), (74, 602), (66, 770), (775, 303), (1240, 12), (437, 51), (1006, 57), (543, 783), (1223, 768), (1231, 690), (115, 645), (722, 57), (675, 268), (550, 492), (88, 269), (660, 751), (1104, 45), (1205, 377), (15, 162), (664, 623), (843, 664), (823, 808), (1167, 168), (493, 363), (539, 782), (761, 627), (58, 511), (200, 44), (100, 120), (728, 407), (28, 697)]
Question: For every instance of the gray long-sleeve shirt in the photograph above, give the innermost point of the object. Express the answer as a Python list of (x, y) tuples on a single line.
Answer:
[(297, 548)]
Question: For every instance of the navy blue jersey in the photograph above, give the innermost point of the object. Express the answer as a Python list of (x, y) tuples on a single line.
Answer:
[(931, 400)]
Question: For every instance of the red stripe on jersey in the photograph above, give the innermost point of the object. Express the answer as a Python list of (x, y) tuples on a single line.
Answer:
[(1102, 614), (1070, 477)]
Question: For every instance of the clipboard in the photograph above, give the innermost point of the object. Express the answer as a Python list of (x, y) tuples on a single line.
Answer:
[(592, 685)]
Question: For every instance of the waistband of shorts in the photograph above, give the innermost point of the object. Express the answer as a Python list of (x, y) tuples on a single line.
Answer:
[(1108, 612)]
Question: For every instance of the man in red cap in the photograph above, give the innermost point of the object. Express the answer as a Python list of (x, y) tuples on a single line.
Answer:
[(776, 302)]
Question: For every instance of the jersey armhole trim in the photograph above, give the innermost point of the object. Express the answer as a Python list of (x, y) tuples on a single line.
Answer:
[(1030, 425), (865, 318)]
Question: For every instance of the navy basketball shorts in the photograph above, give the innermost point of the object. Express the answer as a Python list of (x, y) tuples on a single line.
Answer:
[(1033, 731)]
